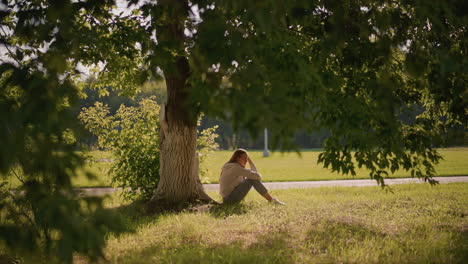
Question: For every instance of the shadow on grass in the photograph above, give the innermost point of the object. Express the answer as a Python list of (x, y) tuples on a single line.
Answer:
[(271, 248), (225, 210), (134, 215), (216, 210)]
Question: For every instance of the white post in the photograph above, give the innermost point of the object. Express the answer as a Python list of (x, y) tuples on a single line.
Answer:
[(266, 153)]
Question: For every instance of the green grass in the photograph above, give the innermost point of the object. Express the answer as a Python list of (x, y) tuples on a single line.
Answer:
[(99, 165), (414, 224), (278, 167), (292, 167)]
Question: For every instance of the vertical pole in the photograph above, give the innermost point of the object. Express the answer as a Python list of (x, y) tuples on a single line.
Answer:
[(266, 153)]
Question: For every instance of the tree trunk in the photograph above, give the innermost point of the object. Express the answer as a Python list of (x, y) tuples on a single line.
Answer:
[(179, 179)]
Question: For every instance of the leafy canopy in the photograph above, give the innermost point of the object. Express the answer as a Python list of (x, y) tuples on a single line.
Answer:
[(350, 67)]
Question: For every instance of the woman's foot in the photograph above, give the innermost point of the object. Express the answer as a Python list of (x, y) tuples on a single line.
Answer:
[(276, 201), (272, 199)]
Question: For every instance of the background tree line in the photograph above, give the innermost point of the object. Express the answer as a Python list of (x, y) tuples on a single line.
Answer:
[(228, 138)]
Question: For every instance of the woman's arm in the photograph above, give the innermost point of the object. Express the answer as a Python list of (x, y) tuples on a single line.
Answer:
[(251, 164), (248, 173)]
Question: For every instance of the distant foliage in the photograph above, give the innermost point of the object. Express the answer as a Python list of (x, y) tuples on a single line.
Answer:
[(133, 135), (206, 144)]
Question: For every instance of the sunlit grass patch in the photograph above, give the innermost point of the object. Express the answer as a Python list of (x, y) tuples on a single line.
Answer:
[(414, 224)]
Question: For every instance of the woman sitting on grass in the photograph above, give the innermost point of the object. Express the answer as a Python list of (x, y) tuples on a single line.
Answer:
[(235, 180)]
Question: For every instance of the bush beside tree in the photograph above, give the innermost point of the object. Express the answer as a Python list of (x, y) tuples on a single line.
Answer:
[(132, 134)]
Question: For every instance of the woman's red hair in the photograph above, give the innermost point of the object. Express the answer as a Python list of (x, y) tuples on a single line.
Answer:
[(236, 155)]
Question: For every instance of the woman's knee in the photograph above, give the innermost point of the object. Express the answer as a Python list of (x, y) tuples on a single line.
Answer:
[(252, 181)]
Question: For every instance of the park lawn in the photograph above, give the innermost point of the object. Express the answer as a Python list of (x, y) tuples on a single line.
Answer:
[(416, 223), (277, 167), (292, 167)]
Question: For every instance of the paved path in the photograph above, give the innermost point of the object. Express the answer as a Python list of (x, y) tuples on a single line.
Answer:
[(308, 184)]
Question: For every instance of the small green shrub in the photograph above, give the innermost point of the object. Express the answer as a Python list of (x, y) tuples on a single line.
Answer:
[(132, 134)]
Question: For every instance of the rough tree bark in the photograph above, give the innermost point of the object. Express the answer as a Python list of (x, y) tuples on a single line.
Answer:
[(179, 179)]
